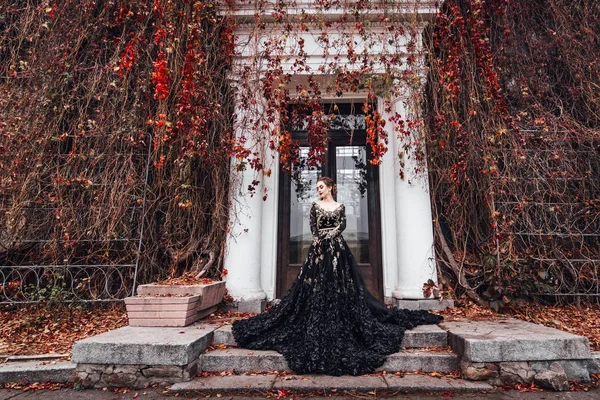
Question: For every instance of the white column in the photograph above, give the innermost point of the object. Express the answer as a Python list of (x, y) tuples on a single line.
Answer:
[(270, 226), (243, 255), (387, 198), (414, 228)]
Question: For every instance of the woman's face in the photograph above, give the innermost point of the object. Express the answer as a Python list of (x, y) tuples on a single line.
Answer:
[(323, 189)]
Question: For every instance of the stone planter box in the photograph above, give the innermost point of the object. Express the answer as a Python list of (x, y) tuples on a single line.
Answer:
[(210, 294), (173, 305)]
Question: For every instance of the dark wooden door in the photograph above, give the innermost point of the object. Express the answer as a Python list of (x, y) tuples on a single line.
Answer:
[(347, 162)]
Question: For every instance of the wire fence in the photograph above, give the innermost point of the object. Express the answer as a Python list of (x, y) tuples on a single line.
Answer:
[(95, 268)]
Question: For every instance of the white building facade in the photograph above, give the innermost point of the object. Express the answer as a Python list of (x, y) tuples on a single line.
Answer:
[(390, 229)]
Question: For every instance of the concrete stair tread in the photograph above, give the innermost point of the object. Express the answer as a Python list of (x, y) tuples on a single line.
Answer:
[(311, 383), (244, 360), (145, 345), (37, 371), (237, 351), (510, 340), (423, 360), (420, 336)]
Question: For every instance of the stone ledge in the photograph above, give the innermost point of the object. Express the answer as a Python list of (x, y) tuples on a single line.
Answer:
[(36, 371), (511, 340), (145, 346), (420, 336)]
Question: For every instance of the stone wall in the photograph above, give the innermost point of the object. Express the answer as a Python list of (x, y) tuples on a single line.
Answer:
[(547, 374), (135, 376)]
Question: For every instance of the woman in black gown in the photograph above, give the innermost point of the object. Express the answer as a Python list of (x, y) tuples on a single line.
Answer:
[(328, 322)]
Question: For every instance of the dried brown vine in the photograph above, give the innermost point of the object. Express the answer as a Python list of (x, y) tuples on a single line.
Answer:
[(513, 114), (106, 128)]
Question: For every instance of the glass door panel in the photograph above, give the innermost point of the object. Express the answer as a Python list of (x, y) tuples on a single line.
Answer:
[(303, 193), (351, 177)]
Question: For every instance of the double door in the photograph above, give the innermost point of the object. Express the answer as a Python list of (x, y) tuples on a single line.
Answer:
[(347, 162)]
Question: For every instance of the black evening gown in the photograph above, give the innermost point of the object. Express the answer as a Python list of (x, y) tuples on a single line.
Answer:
[(328, 322)]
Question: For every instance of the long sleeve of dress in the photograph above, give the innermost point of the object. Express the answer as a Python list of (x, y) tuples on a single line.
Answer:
[(340, 226), (313, 223)]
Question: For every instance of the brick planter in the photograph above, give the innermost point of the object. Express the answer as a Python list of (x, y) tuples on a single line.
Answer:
[(173, 305)]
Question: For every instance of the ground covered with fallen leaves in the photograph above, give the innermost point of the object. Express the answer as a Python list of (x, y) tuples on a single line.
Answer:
[(43, 329)]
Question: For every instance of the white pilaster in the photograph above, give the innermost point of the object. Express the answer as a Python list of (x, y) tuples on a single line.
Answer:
[(413, 221)]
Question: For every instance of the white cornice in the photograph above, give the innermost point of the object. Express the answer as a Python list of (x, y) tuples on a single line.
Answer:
[(264, 11)]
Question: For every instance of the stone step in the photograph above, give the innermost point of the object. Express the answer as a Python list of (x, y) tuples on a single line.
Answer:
[(425, 336), (424, 360), (243, 360), (509, 351), (145, 345), (421, 336), (510, 339), (37, 371), (313, 383)]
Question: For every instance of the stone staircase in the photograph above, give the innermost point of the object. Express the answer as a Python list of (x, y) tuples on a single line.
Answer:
[(425, 349), (505, 351), (138, 356)]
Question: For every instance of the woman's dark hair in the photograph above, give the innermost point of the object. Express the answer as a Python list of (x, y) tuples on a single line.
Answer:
[(329, 183)]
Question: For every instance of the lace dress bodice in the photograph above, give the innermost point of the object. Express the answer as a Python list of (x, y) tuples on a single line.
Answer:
[(326, 224)]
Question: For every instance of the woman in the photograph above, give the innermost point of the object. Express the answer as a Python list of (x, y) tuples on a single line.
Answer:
[(328, 322)]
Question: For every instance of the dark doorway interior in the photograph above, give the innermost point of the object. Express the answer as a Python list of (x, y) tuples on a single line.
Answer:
[(347, 162)]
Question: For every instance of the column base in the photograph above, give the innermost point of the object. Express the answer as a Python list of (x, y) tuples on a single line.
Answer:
[(424, 304), (244, 294), (408, 294), (249, 306)]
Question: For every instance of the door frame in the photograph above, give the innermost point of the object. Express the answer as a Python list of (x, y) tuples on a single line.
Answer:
[(373, 210)]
